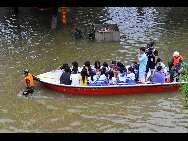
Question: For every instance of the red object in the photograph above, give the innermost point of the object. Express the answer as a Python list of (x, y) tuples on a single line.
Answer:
[(64, 18), (105, 90), (44, 8)]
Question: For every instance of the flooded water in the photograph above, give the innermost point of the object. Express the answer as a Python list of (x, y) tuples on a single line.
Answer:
[(27, 41)]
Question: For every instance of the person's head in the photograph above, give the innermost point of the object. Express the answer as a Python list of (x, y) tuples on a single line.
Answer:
[(134, 64), (120, 70), (176, 54), (74, 70), (142, 50), (119, 64), (105, 65), (67, 68), (75, 64), (25, 72), (113, 64), (110, 74), (130, 70), (87, 64), (97, 65), (159, 68), (63, 68), (159, 61), (153, 44)]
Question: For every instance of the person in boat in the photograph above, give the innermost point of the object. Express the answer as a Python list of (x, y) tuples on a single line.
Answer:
[(61, 68), (105, 68), (130, 79), (92, 79), (159, 76), (101, 78), (175, 64), (143, 62), (83, 77), (75, 65), (28, 80), (87, 67), (121, 75), (159, 63), (135, 67), (111, 80), (96, 67), (119, 64), (151, 55), (74, 77), (65, 77), (114, 68)]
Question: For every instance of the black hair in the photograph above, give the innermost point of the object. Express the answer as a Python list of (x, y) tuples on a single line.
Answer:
[(105, 64), (87, 63), (91, 73), (75, 64), (113, 62), (84, 74), (67, 68), (96, 64), (121, 69), (143, 49), (75, 70), (130, 69), (152, 43), (159, 68), (111, 74), (135, 62), (64, 65), (159, 60)]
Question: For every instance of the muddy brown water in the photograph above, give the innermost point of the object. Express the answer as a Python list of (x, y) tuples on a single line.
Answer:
[(27, 41)]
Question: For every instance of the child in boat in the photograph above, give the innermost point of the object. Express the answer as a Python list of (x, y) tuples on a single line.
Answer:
[(121, 75), (130, 80), (159, 76), (96, 67), (105, 68), (92, 79), (101, 78), (111, 80), (159, 63), (75, 77), (135, 67), (83, 77), (119, 64), (113, 67), (65, 77)]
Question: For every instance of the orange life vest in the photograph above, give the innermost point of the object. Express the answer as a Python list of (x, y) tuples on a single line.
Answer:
[(30, 77), (177, 60)]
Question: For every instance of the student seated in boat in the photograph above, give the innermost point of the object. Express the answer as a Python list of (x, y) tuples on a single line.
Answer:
[(121, 75), (105, 68), (101, 78), (74, 77), (135, 67), (96, 67), (111, 80), (119, 64), (113, 67), (65, 77), (75, 65), (159, 76), (83, 77), (61, 67), (87, 67), (130, 79), (92, 79), (159, 63)]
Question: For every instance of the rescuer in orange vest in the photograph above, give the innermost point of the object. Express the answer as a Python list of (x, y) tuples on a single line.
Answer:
[(28, 80), (174, 64)]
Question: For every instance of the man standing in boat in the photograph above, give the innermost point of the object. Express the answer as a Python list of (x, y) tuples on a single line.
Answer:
[(28, 80), (143, 63)]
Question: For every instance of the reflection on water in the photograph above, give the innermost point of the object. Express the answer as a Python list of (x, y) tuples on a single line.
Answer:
[(27, 41)]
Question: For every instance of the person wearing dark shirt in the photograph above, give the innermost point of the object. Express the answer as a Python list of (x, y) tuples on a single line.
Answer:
[(151, 54), (65, 77)]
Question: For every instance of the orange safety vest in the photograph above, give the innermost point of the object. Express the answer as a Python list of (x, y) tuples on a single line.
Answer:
[(176, 60), (30, 77)]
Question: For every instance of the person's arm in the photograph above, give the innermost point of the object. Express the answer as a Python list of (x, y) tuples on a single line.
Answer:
[(56, 69)]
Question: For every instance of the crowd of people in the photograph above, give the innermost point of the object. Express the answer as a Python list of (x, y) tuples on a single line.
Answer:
[(117, 73)]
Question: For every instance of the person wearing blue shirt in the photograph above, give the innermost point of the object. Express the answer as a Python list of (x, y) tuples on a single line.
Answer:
[(121, 75), (143, 62), (130, 80)]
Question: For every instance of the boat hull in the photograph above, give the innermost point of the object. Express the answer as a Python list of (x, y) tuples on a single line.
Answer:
[(106, 90)]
